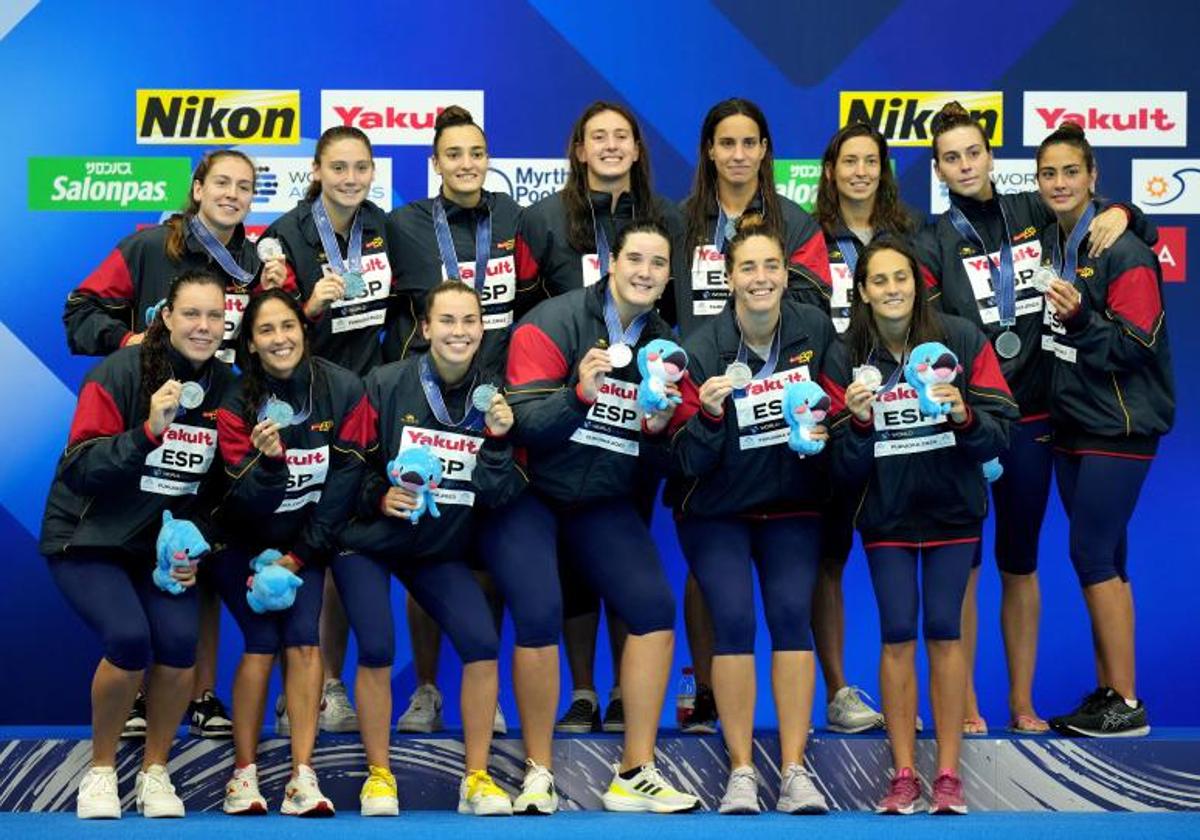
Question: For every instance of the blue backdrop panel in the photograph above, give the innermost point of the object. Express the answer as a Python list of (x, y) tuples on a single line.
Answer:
[(539, 63)]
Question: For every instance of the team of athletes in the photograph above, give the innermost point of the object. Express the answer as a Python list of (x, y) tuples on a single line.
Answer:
[(281, 397)]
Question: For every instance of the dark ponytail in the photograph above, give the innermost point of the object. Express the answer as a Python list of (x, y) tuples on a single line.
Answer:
[(1070, 134), (452, 116), (954, 115), (156, 367)]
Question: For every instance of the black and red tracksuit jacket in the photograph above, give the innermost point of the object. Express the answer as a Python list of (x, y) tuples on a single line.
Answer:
[(700, 294), (297, 503), (739, 463), (348, 333), (110, 305), (578, 451), (115, 478), (547, 265), (418, 268), (923, 481), (478, 470), (1111, 386), (961, 273), (828, 284)]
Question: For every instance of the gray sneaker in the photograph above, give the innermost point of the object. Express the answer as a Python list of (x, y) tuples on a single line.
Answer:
[(337, 715), (741, 793), (848, 711), (798, 795)]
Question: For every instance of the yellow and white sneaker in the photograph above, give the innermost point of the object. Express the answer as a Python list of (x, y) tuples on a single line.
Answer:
[(482, 797), (647, 791), (378, 795)]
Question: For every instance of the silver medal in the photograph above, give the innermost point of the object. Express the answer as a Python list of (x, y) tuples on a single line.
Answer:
[(1008, 344), (269, 249), (1042, 278), (739, 374), (191, 395), (482, 396), (869, 376), (355, 285), (619, 355), (279, 412)]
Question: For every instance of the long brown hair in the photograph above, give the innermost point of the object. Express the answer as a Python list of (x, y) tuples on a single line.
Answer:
[(888, 214), (177, 224), (254, 384), (332, 135), (577, 196), (156, 367), (862, 336), (704, 184)]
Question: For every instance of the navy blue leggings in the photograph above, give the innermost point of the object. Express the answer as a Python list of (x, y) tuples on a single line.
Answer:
[(137, 622), (722, 554), (944, 572), (270, 632), (1099, 493), (1020, 496), (607, 542), (445, 588)]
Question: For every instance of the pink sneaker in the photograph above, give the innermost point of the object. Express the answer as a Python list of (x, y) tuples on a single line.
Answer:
[(904, 794), (948, 794)]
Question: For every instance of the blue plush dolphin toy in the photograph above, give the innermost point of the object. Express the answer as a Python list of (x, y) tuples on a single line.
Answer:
[(659, 362), (805, 404), (933, 363), (179, 543), (271, 587), (419, 471)]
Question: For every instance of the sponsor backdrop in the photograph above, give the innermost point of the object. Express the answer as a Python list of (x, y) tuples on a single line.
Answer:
[(104, 142)]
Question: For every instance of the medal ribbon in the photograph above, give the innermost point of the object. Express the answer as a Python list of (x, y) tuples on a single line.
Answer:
[(445, 242), (219, 252), (472, 418), (333, 252), (1004, 276)]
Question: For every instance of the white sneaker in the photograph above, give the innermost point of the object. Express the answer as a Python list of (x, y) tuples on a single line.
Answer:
[(242, 797), (337, 715), (480, 796), (283, 726), (98, 798), (797, 795), (538, 794), (303, 798), (647, 791), (424, 712), (155, 795), (848, 712), (741, 792), (499, 724)]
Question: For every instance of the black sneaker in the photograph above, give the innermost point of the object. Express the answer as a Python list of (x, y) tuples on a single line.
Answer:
[(703, 719), (1104, 714), (614, 716), (209, 718), (581, 718), (135, 724), (1086, 705)]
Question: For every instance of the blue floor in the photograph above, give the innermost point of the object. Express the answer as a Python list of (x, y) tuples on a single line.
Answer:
[(599, 826)]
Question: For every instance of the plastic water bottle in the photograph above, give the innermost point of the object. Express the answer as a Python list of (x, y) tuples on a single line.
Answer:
[(685, 700)]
